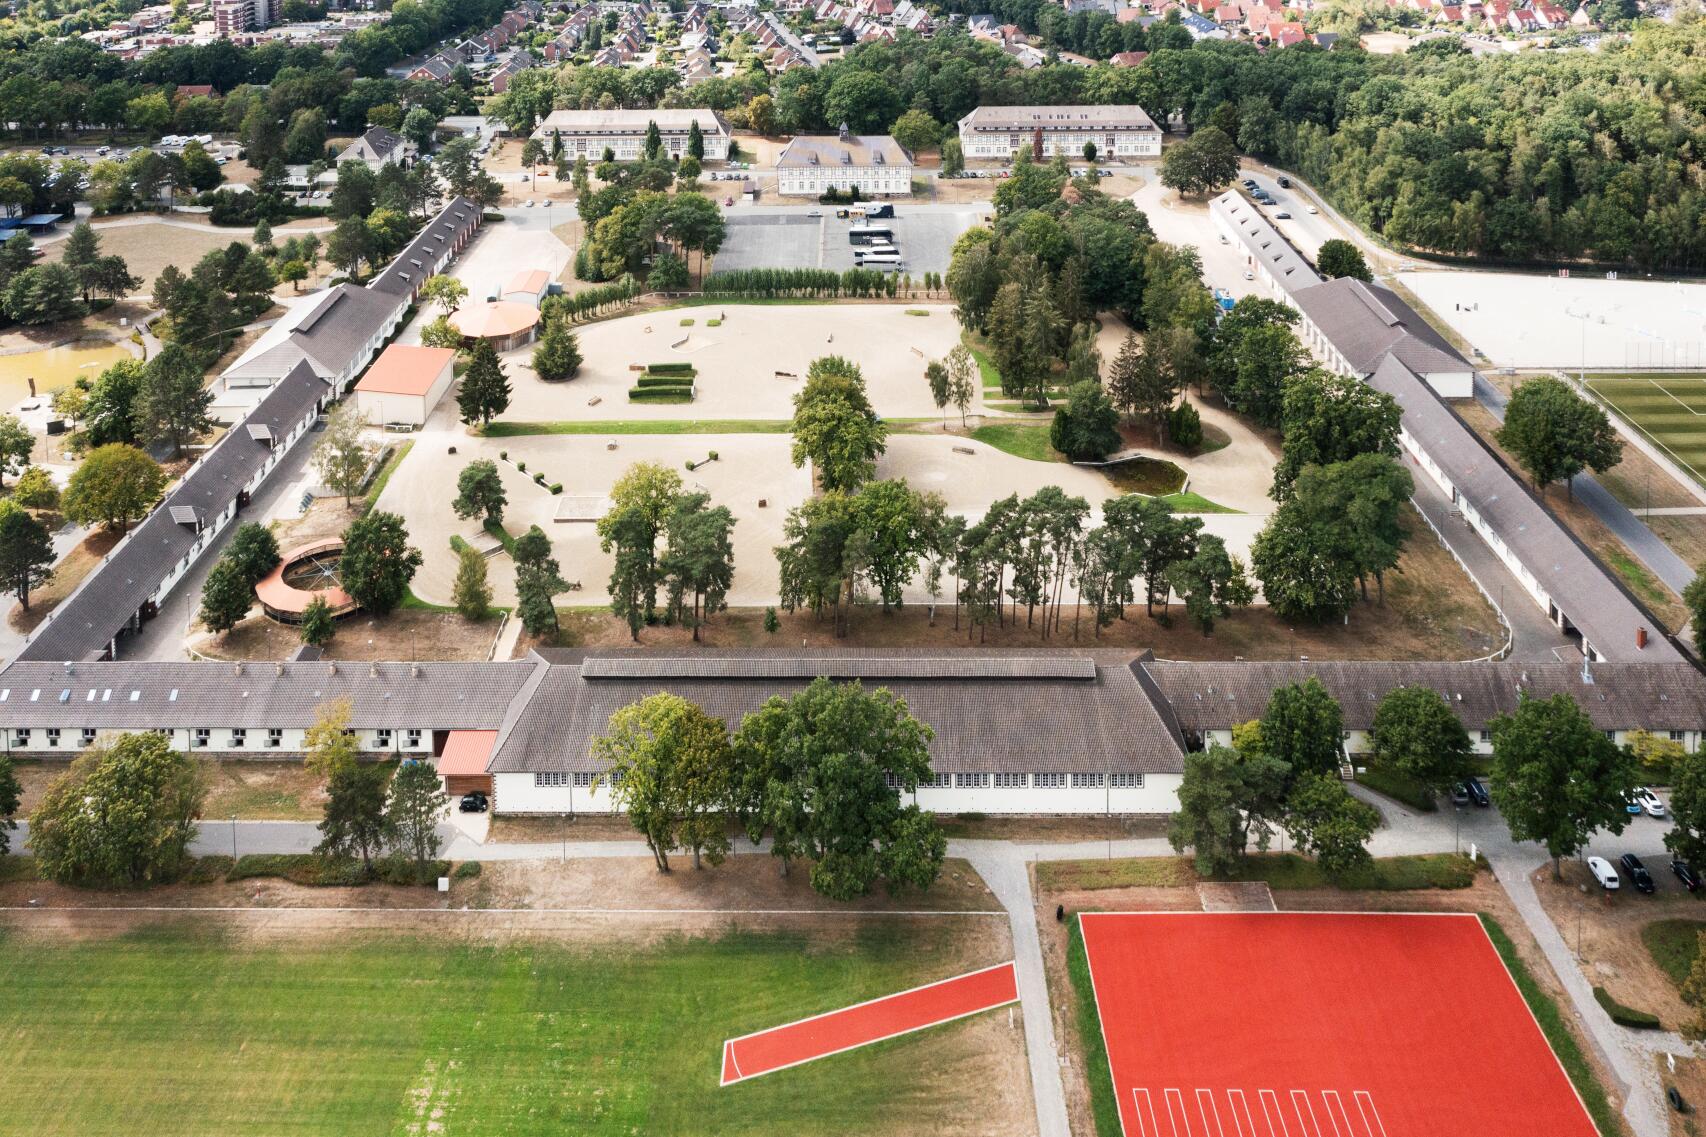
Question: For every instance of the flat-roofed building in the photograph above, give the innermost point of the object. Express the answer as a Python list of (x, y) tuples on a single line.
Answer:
[(871, 163), (1117, 131), (404, 384), (589, 133)]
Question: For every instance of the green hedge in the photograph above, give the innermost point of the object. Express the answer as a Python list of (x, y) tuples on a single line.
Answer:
[(660, 395), (1626, 1016), (670, 368), (1552, 1024), (682, 381), (1399, 787), (467, 870), (208, 870), (329, 872)]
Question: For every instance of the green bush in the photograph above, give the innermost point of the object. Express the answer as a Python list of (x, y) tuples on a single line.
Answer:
[(300, 868), (687, 322), (713, 323), (649, 380), (467, 870), (522, 466), (1626, 1016), (207, 870), (660, 395), (18, 868), (1398, 786), (667, 368), (556, 487), (404, 871), (539, 478)]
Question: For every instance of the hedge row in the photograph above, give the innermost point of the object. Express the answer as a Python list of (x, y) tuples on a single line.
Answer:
[(309, 869), (649, 380), (660, 394), (669, 368), (1626, 1016)]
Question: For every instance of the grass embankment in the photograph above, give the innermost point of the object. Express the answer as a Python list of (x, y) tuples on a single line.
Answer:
[(188, 1030), (1399, 787), (1674, 944), (1553, 1025), (1103, 1106), (383, 478), (1283, 871), (1152, 477)]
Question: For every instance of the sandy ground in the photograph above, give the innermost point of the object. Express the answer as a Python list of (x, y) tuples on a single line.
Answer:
[(499, 252), (1526, 320), (149, 248), (1185, 221), (737, 361)]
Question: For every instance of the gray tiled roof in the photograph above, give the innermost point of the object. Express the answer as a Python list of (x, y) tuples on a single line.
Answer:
[(142, 696), (1089, 117), (416, 262), (1653, 696), (333, 329), (994, 716), (1589, 595), (1367, 322), (832, 152), (90, 617), (1263, 243)]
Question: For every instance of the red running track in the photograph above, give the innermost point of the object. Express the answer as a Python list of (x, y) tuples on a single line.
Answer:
[(864, 1023), (1320, 1024)]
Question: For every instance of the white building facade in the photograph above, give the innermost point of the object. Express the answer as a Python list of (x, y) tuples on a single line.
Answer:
[(875, 165), (589, 133), (1118, 132)]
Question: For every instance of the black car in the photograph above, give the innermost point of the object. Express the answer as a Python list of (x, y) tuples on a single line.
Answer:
[(1285, 183), (1477, 792), (1686, 874), (1638, 874), (473, 802)]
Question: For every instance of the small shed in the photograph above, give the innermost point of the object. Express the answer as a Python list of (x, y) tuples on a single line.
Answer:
[(463, 763), (404, 384), (529, 286)]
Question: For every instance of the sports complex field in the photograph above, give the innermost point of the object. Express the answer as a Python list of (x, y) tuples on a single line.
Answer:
[(229, 1029), (1273, 1024), (1668, 407)]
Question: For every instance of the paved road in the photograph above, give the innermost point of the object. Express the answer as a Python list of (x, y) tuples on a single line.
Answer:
[(1631, 530)]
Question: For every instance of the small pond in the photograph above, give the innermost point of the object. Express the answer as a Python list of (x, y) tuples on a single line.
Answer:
[(55, 367)]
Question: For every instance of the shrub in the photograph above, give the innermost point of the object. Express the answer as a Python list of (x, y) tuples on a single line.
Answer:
[(467, 870), (687, 322), (522, 466), (300, 868), (650, 380), (504, 454), (713, 323), (556, 487), (1184, 426), (539, 479), (404, 871), (667, 368), (1625, 1016), (208, 870), (660, 395), (917, 312)]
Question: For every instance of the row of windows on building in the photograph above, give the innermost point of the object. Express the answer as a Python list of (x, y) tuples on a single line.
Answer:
[(201, 738), (970, 781)]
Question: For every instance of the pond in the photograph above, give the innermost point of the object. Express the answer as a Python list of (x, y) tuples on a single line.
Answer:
[(55, 367)]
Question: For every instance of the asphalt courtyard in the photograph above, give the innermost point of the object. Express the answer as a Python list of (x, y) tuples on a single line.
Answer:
[(788, 237)]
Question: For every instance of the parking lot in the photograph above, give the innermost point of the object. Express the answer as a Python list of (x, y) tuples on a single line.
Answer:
[(789, 237)]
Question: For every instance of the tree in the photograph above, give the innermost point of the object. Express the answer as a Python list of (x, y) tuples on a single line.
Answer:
[(962, 379), (1332, 418), (835, 427), (344, 453), (936, 375), (485, 388), (669, 274), (699, 562), (1556, 434), (1416, 734), (122, 815), (420, 126), (293, 271), (1304, 728), (1298, 558), (16, 444), (42, 294), (318, 624), (834, 743), (329, 745), (1203, 163), (262, 236), (1353, 512), (445, 291), (471, 594), (1264, 361), (412, 811), (558, 355), (171, 402), (695, 141), (1087, 428), (1687, 838), (115, 484), (480, 492), (916, 130), (378, 562), (953, 157), (35, 489), (225, 597), (1556, 777), (354, 820), (1327, 823), (1211, 582), (441, 333), (26, 554), (253, 551), (351, 244), (11, 796), (1338, 257), (1224, 796), (1694, 599), (669, 768)]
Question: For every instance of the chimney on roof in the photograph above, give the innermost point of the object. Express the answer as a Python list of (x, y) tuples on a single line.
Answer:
[(1641, 638), (373, 670), (332, 668), (278, 668), (68, 669), (414, 671), (237, 668)]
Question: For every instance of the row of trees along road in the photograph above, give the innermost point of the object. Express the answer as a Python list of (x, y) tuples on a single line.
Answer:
[(682, 777)]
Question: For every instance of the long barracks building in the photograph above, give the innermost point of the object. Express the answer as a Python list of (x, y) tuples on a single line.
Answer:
[(1070, 732)]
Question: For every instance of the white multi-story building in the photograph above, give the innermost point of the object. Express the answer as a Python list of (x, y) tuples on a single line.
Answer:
[(1116, 131), (873, 164), (623, 132)]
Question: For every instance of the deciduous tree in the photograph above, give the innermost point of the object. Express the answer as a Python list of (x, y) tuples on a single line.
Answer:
[(354, 821), (115, 484), (669, 768), (412, 812), (480, 492), (378, 562), (1556, 434), (344, 453), (1416, 733)]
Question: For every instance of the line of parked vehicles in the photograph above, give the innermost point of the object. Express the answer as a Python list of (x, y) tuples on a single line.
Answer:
[(1643, 800)]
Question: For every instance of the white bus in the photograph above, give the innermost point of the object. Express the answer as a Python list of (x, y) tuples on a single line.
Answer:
[(886, 261)]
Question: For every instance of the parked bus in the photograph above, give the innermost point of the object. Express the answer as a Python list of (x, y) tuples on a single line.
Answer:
[(869, 234), (878, 249), (886, 261)]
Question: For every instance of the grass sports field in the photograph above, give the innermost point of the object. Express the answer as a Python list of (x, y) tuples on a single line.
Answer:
[(1669, 408), (171, 1030)]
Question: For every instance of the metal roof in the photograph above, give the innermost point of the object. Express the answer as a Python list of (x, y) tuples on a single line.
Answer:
[(426, 254), (1367, 322)]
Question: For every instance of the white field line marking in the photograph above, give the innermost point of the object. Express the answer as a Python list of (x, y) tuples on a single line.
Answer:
[(499, 911), (1236, 1102), (729, 1054), (1176, 1112), (1336, 1113), (1273, 1111), (1365, 1106), (1140, 1106), (1669, 394), (882, 1038), (885, 998), (1210, 1114), (1311, 1127)]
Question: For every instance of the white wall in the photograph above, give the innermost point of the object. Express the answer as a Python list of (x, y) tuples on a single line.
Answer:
[(1109, 144), (814, 180)]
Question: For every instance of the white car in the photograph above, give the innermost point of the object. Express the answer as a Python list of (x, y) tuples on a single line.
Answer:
[(1604, 873), (1649, 801), (1312, 209)]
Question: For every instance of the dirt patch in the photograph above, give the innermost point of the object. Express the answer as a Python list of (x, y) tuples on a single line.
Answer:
[(406, 633), (1690, 1080), (150, 246), (67, 575), (1605, 932)]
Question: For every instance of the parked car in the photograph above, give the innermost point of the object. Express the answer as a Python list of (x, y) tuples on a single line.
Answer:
[(1650, 802), (1604, 873), (1459, 794), (1685, 873), (1637, 873), (1282, 215), (473, 802), (1477, 792), (1285, 183), (1632, 805), (1311, 209), (814, 213)]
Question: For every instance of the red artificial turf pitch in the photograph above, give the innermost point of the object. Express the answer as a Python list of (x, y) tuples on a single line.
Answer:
[(1297, 1024), (822, 1035)]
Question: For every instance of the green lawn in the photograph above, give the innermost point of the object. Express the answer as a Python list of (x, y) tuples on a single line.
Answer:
[(383, 478), (171, 1030), (1673, 944), (1282, 871), (1020, 439), (1193, 502), (642, 426), (1668, 407)]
